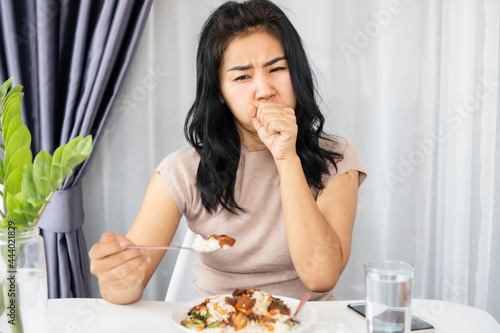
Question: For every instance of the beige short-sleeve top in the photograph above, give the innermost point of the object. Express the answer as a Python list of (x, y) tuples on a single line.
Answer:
[(260, 257)]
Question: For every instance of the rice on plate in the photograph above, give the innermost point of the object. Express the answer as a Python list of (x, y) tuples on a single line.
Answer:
[(244, 311)]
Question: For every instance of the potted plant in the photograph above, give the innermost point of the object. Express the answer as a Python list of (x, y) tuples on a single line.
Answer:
[(28, 184)]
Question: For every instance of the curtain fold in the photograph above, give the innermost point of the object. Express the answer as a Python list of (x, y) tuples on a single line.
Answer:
[(71, 57)]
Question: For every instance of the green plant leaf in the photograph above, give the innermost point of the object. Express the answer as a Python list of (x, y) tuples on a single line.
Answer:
[(27, 209), (68, 149), (13, 98), (4, 87), (15, 125), (37, 204), (20, 139), (4, 223), (12, 102), (19, 150), (66, 172), (14, 90), (79, 153), (41, 173), (55, 174), (14, 114), (47, 183), (18, 159), (56, 185), (28, 187), (8, 113), (12, 184), (13, 208), (55, 168)]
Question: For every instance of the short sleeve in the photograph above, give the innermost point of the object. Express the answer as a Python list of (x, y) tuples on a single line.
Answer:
[(350, 161), (179, 172)]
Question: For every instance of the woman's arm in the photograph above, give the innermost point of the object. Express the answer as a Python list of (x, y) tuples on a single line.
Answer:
[(319, 232), (124, 273), (156, 223)]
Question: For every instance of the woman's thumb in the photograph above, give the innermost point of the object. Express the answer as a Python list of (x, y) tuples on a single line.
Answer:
[(252, 110)]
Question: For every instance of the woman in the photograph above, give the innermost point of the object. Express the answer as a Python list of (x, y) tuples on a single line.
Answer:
[(260, 169)]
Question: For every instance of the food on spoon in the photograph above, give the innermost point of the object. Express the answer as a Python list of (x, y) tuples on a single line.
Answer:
[(214, 242), (249, 310)]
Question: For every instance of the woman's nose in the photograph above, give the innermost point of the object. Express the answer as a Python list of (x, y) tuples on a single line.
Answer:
[(264, 89)]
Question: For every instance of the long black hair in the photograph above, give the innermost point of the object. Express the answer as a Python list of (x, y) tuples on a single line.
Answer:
[(209, 125)]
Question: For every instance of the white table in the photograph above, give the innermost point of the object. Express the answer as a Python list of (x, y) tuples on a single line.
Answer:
[(93, 315)]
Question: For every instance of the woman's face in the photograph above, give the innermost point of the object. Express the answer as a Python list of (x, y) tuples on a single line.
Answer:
[(254, 69)]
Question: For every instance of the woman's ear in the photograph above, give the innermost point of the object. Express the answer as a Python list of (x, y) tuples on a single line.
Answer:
[(221, 99)]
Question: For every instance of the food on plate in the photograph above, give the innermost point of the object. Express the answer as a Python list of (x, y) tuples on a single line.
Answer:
[(249, 310), (214, 242)]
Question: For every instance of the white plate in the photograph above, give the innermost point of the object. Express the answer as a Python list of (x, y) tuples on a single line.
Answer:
[(308, 315)]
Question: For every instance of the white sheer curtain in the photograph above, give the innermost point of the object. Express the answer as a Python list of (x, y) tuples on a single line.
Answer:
[(413, 84)]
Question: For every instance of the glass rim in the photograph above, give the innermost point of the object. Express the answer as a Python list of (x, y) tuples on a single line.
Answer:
[(397, 266)]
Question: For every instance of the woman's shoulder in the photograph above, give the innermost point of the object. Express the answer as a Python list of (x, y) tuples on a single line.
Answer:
[(184, 159), (178, 170), (335, 144), (350, 160)]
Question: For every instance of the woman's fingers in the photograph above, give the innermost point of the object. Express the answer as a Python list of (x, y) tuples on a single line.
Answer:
[(276, 126), (252, 112), (121, 271), (109, 244), (275, 118), (128, 272), (110, 262), (278, 123), (110, 253)]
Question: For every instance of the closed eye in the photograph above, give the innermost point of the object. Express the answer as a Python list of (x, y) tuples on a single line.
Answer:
[(242, 78), (277, 69)]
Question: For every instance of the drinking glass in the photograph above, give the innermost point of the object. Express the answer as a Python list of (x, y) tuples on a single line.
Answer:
[(23, 279), (388, 296)]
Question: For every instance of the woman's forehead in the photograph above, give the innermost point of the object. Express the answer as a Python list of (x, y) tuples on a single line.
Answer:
[(259, 46)]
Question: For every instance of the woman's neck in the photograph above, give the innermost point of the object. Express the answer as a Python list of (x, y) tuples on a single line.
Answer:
[(250, 140), (252, 143)]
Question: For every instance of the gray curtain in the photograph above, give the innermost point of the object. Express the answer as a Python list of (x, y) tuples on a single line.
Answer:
[(71, 57)]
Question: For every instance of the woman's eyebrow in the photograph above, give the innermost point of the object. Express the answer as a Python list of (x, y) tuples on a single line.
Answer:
[(245, 67), (273, 61)]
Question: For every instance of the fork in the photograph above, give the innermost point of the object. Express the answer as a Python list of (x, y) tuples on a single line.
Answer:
[(303, 301)]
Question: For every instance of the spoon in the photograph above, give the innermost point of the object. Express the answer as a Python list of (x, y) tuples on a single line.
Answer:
[(168, 248), (159, 247), (200, 244), (303, 301)]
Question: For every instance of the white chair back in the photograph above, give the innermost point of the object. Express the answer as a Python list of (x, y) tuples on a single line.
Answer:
[(179, 289)]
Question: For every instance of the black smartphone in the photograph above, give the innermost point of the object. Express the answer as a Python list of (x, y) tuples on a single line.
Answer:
[(417, 325)]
